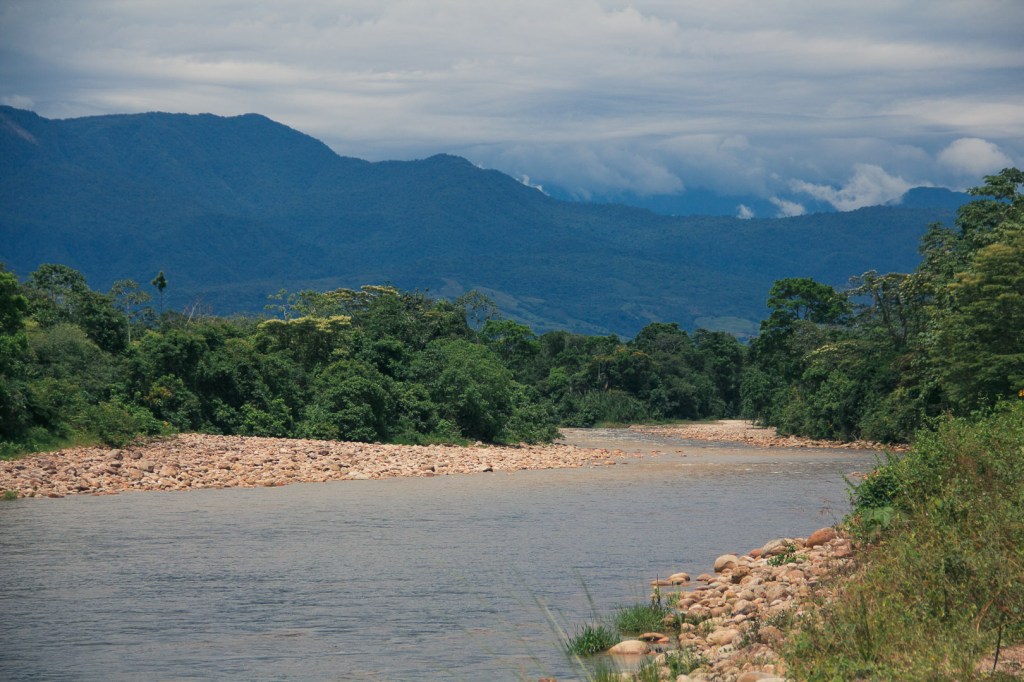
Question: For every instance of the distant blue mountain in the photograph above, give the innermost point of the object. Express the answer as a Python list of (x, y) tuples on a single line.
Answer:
[(934, 197), (233, 209)]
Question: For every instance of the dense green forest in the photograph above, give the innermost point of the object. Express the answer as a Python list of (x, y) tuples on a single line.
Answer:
[(375, 364), (939, 593), (878, 360), (875, 361)]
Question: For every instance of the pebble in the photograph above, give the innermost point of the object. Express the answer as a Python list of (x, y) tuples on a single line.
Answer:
[(207, 461), (735, 651)]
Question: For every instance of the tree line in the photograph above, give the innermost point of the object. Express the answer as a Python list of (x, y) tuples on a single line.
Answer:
[(373, 364), (875, 361), (882, 358)]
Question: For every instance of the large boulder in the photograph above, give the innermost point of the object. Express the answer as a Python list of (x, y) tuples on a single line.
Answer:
[(820, 537), (773, 547), (725, 562), (630, 647), (723, 637), (742, 607)]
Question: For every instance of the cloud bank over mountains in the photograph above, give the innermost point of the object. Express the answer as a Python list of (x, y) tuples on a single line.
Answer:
[(845, 102)]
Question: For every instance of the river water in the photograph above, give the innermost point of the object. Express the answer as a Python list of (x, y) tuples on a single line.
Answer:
[(447, 578)]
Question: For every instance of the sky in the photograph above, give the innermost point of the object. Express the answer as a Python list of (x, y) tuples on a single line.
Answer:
[(844, 102)]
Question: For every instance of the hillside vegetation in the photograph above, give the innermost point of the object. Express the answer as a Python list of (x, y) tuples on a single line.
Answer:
[(935, 356), (941, 584), (873, 362), (881, 358), (233, 209)]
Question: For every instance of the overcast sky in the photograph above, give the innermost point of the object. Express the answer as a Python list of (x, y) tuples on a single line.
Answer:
[(850, 102)]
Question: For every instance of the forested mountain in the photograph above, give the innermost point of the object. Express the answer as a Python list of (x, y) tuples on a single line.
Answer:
[(234, 209)]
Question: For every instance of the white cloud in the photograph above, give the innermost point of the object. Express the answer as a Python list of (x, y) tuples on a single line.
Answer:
[(526, 181), (869, 186), (17, 101), (787, 209), (974, 157), (595, 95), (744, 212)]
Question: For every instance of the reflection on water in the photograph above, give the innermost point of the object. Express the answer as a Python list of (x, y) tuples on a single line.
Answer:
[(383, 580)]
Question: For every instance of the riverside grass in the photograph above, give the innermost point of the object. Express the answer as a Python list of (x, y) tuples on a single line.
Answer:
[(640, 618), (941, 582)]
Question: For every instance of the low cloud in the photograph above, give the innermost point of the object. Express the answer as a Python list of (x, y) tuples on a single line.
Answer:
[(744, 212), (583, 169), (787, 209), (591, 96), (974, 157), (525, 179), (869, 186), (17, 101)]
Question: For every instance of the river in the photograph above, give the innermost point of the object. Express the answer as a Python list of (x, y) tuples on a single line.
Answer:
[(447, 578)]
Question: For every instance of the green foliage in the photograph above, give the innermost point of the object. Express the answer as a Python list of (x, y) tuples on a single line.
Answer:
[(353, 401), (683, 661), (639, 618), (117, 425), (372, 364), (895, 350), (787, 556), (801, 298), (945, 581), (469, 385), (590, 639)]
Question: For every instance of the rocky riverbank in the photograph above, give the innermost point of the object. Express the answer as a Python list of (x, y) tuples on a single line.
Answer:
[(205, 461), (193, 461), (741, 431), (734, 619)]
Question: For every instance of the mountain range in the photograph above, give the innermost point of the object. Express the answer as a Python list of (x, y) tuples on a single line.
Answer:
[(235, 208)]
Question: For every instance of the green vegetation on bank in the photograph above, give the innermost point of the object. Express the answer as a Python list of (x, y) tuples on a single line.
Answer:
[(942, 580), (380, 364), (880, 359), (79, 366), (935, 356)]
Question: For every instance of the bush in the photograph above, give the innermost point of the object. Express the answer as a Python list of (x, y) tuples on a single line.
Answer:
[(640, 618), (592, 638), (117, 425), (945, 583)]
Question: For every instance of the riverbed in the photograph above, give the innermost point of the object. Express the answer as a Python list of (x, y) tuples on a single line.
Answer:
[(461, 577)]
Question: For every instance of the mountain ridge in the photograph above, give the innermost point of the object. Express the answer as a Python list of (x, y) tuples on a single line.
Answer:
[(235, 208)]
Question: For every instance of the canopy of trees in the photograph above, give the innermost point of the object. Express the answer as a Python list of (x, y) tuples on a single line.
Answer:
[(379, 364), (374, 364), (878, 360)]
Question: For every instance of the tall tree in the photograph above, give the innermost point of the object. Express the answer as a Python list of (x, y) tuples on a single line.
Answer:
[(160, 282)]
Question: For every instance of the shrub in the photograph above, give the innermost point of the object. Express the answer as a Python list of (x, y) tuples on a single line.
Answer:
[(639, 618), (592, 638), (945, 583), (117, 425)]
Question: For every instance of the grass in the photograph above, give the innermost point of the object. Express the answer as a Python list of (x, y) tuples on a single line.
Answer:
[(639, 618), (590, 639), (39, 440), (10, 495), (942, 578), (683, 662)]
